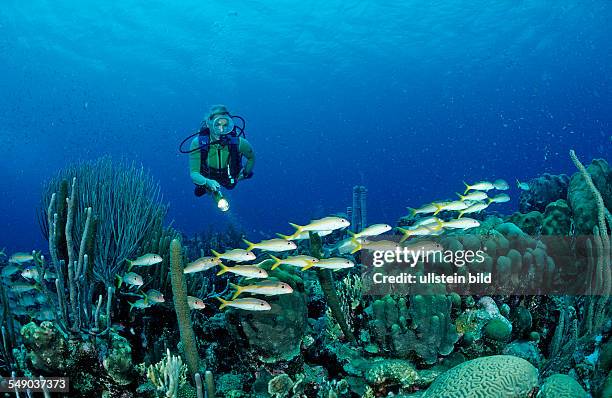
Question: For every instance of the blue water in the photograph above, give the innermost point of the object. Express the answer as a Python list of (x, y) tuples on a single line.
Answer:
[(407, 98)]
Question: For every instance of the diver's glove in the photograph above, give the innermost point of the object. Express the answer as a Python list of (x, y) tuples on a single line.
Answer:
[(212, 185)]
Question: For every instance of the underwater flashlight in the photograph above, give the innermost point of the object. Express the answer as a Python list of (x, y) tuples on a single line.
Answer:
[(222, 203)]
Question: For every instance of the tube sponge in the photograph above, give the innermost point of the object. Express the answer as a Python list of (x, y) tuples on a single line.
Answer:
[(181, 307)]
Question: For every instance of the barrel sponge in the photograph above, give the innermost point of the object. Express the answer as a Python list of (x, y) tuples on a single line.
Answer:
[(561, 386), (486, 377)]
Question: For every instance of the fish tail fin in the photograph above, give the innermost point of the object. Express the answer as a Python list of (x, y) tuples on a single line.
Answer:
[(277, 261), (405, 232), (438, 209), (461, 214), (489, 201), (298, 229), (518, 183), (215, 253), (224, 269), (308, 266), (460, 196), (354, 235), (130, 265), (412, 211), (238, 290), (131, 306), (250, 245), (224, 303), (285, 237), (439, 225), (119, 280), (358, 245), (467, 187)]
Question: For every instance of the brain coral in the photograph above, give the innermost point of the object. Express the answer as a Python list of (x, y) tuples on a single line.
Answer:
[(486, 377), (561, 386)]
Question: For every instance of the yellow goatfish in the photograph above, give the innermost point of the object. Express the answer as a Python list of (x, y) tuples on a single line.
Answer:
[(202, 264), (345, 246), (475, 208), (463, 223), (423, 221), (501, 185), (523, 185), (248, 304), (296, 261), (373, 245), (235, 255), (195, 303), (475, 195), (333, 263), (304, 235), (372, 230), (20, 258), (267, 288), (145, 260), (249, 271), (322, 224), (430, 208), (423, 230), (479, 186), (271, 245), (501, 198), (450, 206)]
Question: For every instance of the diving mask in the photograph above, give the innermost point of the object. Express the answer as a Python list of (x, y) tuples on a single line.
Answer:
[(221, 124)]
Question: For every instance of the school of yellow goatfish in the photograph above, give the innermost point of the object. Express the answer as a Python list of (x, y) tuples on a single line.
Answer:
[(474, 199)]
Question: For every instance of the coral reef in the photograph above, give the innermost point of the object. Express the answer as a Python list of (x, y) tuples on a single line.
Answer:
[(544, 189), (331, 337)]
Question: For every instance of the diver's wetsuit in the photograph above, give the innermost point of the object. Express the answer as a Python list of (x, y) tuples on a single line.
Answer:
[(218, 157)]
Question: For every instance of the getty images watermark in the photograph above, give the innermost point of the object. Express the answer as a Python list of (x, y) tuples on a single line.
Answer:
[(479, 264)]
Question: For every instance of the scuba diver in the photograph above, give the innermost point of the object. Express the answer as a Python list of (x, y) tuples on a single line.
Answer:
[(215, 155)]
